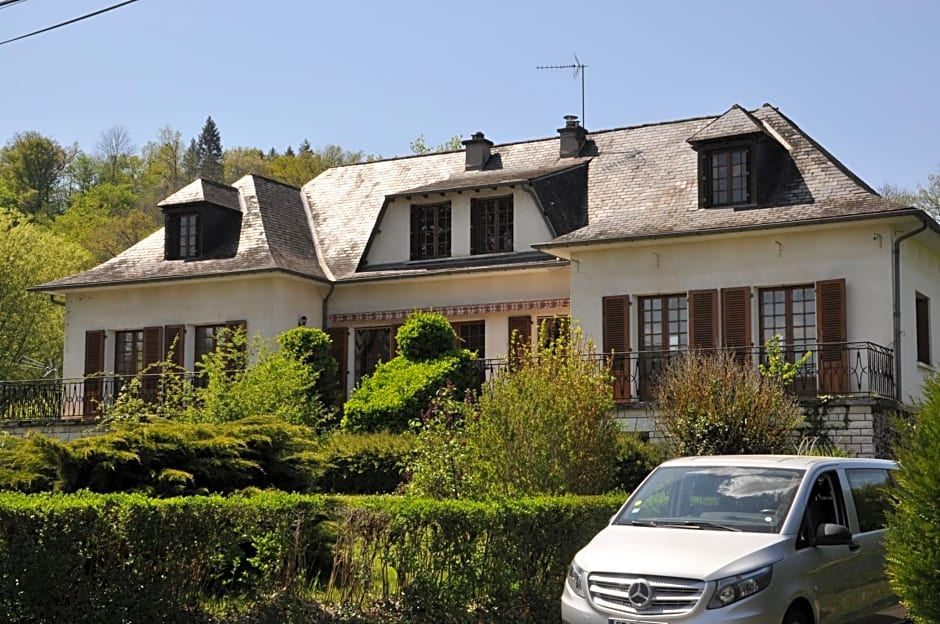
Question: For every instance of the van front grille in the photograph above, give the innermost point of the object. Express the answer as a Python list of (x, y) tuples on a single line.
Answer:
[(625, 593)]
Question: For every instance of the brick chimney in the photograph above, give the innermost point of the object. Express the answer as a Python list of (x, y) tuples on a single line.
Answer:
[(572, 137), (478, 151)]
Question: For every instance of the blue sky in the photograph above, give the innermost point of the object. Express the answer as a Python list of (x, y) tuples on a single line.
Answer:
[(861, 77)]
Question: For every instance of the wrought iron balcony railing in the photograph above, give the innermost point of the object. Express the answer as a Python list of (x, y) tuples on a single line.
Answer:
[(860, 369)]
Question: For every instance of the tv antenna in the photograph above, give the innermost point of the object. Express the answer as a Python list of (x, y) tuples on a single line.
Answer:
[(578, 68)]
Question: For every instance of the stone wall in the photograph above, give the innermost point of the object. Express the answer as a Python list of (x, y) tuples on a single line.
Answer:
[(62, 430), (860, 426)]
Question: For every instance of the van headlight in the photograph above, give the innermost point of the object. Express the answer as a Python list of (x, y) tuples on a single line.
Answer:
[(735, 588), (576, 579)]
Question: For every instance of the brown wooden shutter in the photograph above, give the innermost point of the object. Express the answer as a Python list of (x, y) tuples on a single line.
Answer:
[(831, 335), (922, 321), (520, 339), (703, 319), (339, 349), (415, 234), (94, 367), (703, 176), (615, 311), (173, 344), (153, 353), (736, 322)]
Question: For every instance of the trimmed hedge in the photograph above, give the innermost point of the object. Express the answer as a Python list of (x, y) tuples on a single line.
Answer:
[(361, 463), (126, 558), (398, 391)]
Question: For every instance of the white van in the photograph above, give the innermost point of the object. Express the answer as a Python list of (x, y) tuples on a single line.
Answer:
[(746, 539)]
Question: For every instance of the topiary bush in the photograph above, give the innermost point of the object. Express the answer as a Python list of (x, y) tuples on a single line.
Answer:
[(710, 404), (400, 389), (636, 458), (425, 336), (370, 463), (913, 536)]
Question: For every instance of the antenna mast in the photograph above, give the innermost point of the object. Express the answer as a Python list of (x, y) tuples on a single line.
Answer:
[(578, 68)]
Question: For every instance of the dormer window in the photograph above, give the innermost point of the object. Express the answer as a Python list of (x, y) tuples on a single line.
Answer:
[(730, 182), (430, 231), (182, 236), (491, 228)]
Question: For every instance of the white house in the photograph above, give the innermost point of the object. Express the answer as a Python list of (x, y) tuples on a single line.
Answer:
[(713, 232)]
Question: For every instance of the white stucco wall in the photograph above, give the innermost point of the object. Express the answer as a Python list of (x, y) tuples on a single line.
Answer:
[(270, 304), (392, 243), (920, 273)]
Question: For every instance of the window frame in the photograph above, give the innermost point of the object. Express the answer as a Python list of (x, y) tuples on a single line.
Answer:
[(749, 186), (365, 359), (125, 366), (184, 235), (490, 214), (431, 231), (922, 323), (472, 336), (665, 302)]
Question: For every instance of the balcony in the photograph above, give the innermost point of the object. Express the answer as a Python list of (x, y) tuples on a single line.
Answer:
[(849, 369), (853, 369)]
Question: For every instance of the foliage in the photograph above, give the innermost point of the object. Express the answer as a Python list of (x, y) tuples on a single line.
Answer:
[(420, 146), (425, 336), (636, 458), (312, 347), (398, 390), (368, 463), (547, 425), (32, 167), (439, 467), (913, 538), (237, 380), (209, 152), (710, 404), (31, 324), (777, 365)]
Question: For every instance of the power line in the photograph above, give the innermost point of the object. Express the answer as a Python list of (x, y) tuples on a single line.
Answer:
[(66, 23), (5, 4)]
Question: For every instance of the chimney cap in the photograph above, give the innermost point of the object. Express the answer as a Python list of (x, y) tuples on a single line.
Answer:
[(571, 121)]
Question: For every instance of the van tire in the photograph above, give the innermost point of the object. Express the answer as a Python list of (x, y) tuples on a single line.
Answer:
[(797, 615)]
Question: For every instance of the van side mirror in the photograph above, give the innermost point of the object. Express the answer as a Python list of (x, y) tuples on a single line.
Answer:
[(829, 534)]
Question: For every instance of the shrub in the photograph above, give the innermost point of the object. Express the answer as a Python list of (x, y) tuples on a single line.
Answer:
[(636, 458), (425, 336), (400, 389), (913, 537), (439, 467), (710, 404), (547, 425), (311, 346), (370, 463)]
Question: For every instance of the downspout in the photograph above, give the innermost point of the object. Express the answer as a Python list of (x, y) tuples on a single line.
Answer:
[(325, 301), (896, 288)]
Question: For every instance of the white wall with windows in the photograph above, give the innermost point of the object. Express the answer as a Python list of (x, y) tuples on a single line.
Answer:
[(269, 304), (920, 281), (392, 242)]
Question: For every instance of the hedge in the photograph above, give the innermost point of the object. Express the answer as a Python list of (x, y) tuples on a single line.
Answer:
[(128, 558)]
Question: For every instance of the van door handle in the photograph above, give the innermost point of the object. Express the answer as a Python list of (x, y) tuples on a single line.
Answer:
[(854, 546)]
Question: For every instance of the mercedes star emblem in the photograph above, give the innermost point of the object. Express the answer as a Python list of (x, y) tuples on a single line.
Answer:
[(640, 594)]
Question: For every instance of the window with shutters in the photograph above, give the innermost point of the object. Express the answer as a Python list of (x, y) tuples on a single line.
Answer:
[(552, 329), (664, 328), (472, 336), (616, 313), (207, 338), (491, 229), (790, 312), (430, 231), (922, 320)]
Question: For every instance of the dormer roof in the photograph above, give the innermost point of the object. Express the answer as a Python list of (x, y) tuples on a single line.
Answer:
[(202, 190), (735, 122)]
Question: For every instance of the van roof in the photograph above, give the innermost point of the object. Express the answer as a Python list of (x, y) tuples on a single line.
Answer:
[(801, 462)]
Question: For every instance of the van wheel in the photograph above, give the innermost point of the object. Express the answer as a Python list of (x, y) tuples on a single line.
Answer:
[(797, 615)]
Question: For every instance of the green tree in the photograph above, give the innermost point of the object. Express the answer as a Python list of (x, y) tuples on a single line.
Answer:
[(32, 167), (420, 146), (116, 152), (240, 161), (927, 198), (710, 404), (299, 168), (31, 324), (163, 161), (913, 537), (209, 151)]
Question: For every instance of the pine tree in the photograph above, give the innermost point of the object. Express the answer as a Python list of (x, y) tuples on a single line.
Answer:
[(305, 149), (209, 150), (191, 161)]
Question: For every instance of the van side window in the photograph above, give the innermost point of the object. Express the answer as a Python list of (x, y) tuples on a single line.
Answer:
[(870, 491), (825, 504)]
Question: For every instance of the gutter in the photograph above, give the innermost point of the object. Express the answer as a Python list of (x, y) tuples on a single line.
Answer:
[(326, 300), (896, 292)]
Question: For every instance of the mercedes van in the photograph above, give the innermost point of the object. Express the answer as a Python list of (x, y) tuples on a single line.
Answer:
[(741, 539)]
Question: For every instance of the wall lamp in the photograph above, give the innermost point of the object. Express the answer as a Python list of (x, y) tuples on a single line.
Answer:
[(302, 320)]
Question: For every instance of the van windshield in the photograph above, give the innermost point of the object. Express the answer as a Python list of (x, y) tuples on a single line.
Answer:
[(735, 498)]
